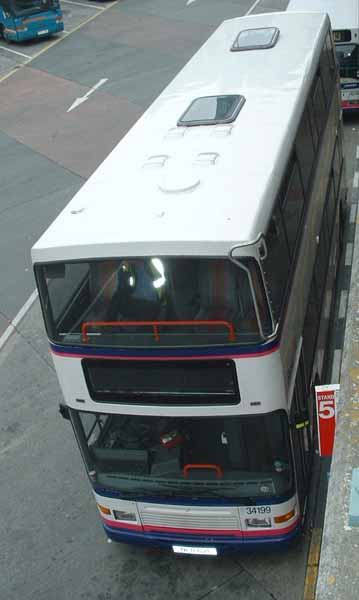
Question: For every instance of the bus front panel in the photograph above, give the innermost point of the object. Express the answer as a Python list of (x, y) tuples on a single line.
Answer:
[(220, 483)]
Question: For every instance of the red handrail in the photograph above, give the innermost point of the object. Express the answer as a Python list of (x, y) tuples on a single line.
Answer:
[(155, 325), (216, 468)]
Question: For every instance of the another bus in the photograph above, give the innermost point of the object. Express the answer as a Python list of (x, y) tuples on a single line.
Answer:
[(344, 17), (187, 292), (22, 20)]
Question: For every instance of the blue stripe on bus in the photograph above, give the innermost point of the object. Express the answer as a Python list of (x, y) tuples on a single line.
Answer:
[(180, 500), (349, 86), (222, 543), (166, 353)]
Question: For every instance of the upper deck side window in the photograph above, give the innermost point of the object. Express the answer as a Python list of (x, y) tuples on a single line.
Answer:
[(212, 110), (256, 39)]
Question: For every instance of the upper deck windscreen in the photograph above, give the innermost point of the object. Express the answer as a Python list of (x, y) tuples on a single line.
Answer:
[(154, 302)]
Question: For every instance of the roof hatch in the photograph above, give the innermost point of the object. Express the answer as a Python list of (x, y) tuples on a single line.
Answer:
[(255, 39), (211, 110)]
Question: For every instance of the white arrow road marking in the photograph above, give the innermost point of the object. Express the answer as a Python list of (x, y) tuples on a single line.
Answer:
[(79, 101), (190, 2)]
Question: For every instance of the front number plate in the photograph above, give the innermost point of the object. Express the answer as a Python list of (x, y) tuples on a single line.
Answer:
[(194, 550)]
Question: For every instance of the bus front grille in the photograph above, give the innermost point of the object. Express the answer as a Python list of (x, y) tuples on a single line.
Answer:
[(226, 518)]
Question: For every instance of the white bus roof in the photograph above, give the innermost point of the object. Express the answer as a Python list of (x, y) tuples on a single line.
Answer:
[(344, 14), (219, 182)]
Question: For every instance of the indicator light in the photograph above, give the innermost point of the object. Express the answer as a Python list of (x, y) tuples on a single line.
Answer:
[(104, 509), (286, 517)]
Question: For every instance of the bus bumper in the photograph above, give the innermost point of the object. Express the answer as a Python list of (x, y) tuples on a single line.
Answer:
[(30, 33), (223, 544)]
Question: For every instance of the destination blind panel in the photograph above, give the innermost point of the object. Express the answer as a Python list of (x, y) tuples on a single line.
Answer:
[(175, 382)]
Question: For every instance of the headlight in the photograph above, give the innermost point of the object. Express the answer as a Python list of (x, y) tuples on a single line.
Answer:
[(122, 515), (255, 522)]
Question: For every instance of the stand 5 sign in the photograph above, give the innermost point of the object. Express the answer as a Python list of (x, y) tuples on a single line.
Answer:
[(326, 397)]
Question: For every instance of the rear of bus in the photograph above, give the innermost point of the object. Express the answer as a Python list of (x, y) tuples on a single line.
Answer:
[(22, 20), (344, 17)]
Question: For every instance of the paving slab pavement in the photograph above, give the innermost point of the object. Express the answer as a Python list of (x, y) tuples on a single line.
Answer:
[(338, 576)]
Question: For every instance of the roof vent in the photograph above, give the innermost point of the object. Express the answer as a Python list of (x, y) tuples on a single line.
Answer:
[(175, 133), (255, 39), (206, 158), (211, 110), (222, 130), (156, 161)]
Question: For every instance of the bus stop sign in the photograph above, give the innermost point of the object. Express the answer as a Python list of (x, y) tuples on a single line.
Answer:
[(326, 403)]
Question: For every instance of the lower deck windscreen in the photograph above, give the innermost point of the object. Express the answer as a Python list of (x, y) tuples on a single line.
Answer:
[(225, 456)]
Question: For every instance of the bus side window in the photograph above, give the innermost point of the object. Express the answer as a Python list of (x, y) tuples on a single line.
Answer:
[(310, 329), (319, 103), (331, 205), (330, 54), (292, 207), (337, 165), (276, 265), (304, 145), (313, 124), (327, 72)]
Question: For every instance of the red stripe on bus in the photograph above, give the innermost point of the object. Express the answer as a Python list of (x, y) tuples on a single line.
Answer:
[(212, 532), (122, 525)]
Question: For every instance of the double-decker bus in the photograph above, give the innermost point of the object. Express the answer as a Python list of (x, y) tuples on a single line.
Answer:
[(187, 291), (344, 17), (22, 20)]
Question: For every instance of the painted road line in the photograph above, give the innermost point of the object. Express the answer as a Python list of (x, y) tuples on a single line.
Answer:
[(16, 320), (79, 101), (357, 154), (190, 2), (83, 4), (337, 359), (14, 70), (353, 212), (15, 52), (252, 7), (356, 179), (57, 41), (349, 254), (343, 304), (312, 564)]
